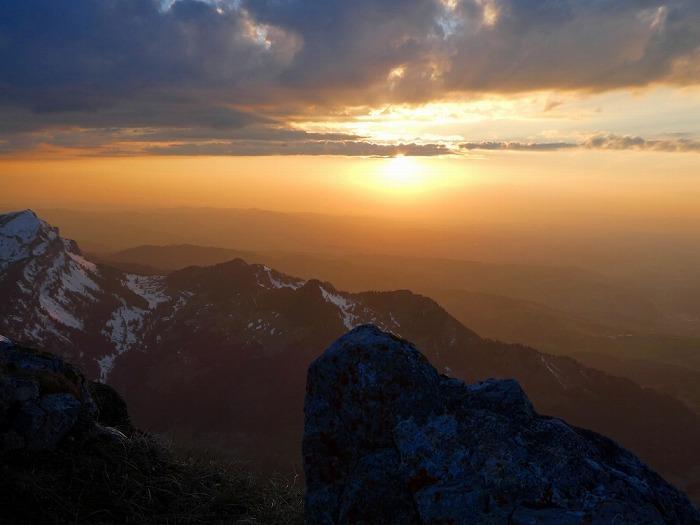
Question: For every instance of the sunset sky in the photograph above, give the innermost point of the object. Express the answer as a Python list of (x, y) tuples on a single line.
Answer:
[(440, 109)]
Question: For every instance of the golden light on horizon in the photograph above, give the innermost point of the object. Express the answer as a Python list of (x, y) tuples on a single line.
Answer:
[(401, 174), (406, 179), (570, 185)]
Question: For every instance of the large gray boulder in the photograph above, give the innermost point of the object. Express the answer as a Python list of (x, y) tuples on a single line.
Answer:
[(44, 400), (389, 440)]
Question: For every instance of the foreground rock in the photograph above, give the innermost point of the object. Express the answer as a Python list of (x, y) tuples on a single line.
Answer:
[(44, 400), (389, 440)]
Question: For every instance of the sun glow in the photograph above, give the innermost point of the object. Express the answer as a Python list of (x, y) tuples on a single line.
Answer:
[(401, 174), (408, 178), (401, 171)]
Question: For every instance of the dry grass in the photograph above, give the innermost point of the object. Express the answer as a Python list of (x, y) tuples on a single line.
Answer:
[(138, 481)]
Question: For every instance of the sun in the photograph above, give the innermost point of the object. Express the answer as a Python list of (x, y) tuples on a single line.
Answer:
[(405, 178), (401, 174)]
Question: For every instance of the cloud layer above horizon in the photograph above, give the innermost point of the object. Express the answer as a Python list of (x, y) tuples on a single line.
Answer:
[(235, 77)]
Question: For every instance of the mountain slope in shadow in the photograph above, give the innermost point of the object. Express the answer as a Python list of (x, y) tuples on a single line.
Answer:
[(222, 351)]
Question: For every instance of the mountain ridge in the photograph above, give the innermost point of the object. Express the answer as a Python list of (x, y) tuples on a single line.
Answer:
[(549, 328), (180, 341)]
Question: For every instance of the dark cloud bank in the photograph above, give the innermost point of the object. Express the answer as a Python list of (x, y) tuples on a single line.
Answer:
[(601, 141), (229, 70)]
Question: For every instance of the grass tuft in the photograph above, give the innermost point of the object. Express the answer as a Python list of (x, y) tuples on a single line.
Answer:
[(139, 480)]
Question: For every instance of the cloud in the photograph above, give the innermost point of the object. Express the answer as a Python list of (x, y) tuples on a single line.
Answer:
[(518, 146), (86, 55), (486, 45), (598, 141), (83, 54), (588, 44), (221, 67), (316, 147), (142, 112), (252, 140), (620, 142)]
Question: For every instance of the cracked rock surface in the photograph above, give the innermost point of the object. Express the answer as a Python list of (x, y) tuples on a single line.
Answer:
[(389, 440)]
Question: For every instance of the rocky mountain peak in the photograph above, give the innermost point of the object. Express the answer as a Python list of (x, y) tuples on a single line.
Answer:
[(389, 440), (56, 297), (22, 222), (22, 235)]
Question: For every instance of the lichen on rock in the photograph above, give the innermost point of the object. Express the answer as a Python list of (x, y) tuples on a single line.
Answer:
[(389, 440)]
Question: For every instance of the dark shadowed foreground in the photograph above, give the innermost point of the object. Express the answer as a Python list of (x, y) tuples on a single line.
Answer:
[(387, 440), (68, 454), (390, 440)]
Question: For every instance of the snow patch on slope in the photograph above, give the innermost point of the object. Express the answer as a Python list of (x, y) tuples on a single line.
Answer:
[(152, 289), (344, 305), (275, 281), (179, 305), (393, 320), (83, 262), (122, 330), (554, 370), (63, 276), (76, 276), (106, 365), (58, 313), (19, 233)]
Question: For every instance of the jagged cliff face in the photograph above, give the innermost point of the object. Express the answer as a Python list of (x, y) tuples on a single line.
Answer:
[(53, 296), (224, 349)]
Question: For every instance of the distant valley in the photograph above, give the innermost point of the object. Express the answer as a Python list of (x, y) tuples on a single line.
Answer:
[(230, 343)]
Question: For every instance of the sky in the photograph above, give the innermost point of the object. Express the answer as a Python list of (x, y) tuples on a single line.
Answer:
[(440, 109)]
